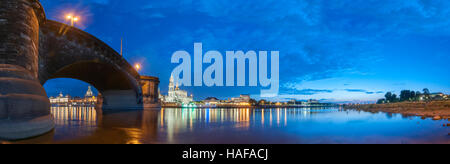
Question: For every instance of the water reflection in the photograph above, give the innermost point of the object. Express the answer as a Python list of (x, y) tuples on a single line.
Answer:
[(73, 122), (184, 119), (281, 125), (67, 115)]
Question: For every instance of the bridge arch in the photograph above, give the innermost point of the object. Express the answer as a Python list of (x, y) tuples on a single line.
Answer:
[(34, 50), (67, 52)]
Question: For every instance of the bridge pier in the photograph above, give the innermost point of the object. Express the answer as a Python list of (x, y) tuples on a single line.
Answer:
[(120, 100), (24, 106)]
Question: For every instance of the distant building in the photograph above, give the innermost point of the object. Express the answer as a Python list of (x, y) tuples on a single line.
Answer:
[(89, 99), (438, 96), (89, 92), (211, 101), (60, 99), (263, 102), (433, 96), (241, 99), (176, 95)]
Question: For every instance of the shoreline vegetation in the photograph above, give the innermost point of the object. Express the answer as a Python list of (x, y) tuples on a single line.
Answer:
[(413, 103), (436, 110)]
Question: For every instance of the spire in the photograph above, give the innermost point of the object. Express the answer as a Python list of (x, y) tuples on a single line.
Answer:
[(171, 86)]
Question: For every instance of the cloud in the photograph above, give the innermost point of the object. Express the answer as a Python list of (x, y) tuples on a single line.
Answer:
[(312, 91), (319, 39), (356, 90), (363, 91)]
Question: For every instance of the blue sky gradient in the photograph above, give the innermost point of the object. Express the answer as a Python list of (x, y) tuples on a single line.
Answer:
[(334, 50)]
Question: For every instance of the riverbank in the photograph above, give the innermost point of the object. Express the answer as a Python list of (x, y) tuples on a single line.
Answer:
[(435, 109)]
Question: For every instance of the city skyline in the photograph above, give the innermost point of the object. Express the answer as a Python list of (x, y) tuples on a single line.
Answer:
[(229, 72), (338, 54)]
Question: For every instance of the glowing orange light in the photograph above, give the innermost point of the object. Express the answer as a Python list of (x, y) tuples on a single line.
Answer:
[(72, 19), (137, 66)]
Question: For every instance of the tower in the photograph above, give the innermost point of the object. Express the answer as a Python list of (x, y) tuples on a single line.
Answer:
[(89, 93), (171, 86)]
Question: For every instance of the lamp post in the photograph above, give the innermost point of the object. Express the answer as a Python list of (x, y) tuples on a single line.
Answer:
[(72, 19), (137, 67)]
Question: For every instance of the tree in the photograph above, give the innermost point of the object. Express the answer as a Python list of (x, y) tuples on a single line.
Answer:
[(262, 102), (388, 97), (253, 102), (426, 93), (405, 95), (394, 98), (418, 94), (381, 101), (412, 96)]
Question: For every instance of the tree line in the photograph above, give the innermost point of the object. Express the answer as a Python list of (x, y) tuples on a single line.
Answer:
[(405, 95)]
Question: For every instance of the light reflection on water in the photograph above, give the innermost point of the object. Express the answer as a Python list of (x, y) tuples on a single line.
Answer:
[(87, 125), (67, 119)]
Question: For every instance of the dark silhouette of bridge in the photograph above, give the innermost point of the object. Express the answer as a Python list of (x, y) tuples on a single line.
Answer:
[(34, 50)]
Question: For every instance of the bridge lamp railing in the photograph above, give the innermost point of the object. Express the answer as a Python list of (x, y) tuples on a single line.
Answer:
[(72, 20)]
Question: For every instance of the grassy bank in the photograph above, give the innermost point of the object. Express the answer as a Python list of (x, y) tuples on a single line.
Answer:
[(434, 109)]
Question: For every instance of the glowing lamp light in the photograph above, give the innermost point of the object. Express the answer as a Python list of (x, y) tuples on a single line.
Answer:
[(72, 19), (137, 66)]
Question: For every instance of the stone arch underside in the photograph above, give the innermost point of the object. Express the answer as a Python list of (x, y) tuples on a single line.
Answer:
[(66, 52)]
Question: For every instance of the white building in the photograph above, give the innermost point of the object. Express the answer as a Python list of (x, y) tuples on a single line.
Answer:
[(176, 95), (60, 99), (241, 99), (89, 93)]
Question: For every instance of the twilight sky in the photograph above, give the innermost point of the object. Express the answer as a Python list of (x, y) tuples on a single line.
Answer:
[(335, 50)]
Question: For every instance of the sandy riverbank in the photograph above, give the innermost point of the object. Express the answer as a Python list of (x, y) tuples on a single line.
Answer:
[(434, 109)]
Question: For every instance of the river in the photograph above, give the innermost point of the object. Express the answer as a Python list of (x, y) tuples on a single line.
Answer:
[(239, 126)]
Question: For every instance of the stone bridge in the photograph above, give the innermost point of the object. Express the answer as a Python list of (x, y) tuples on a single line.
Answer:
[(34, 50)]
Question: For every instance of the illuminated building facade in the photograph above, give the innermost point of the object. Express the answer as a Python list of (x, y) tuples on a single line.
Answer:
[(60, 99), (176, 95), (89, 99), (242, 99)]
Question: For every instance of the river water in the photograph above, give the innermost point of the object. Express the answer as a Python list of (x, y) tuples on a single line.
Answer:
[(240, 126)]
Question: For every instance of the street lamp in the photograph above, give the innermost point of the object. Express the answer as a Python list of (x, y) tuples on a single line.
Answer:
[(72, 19), (138, 67)]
